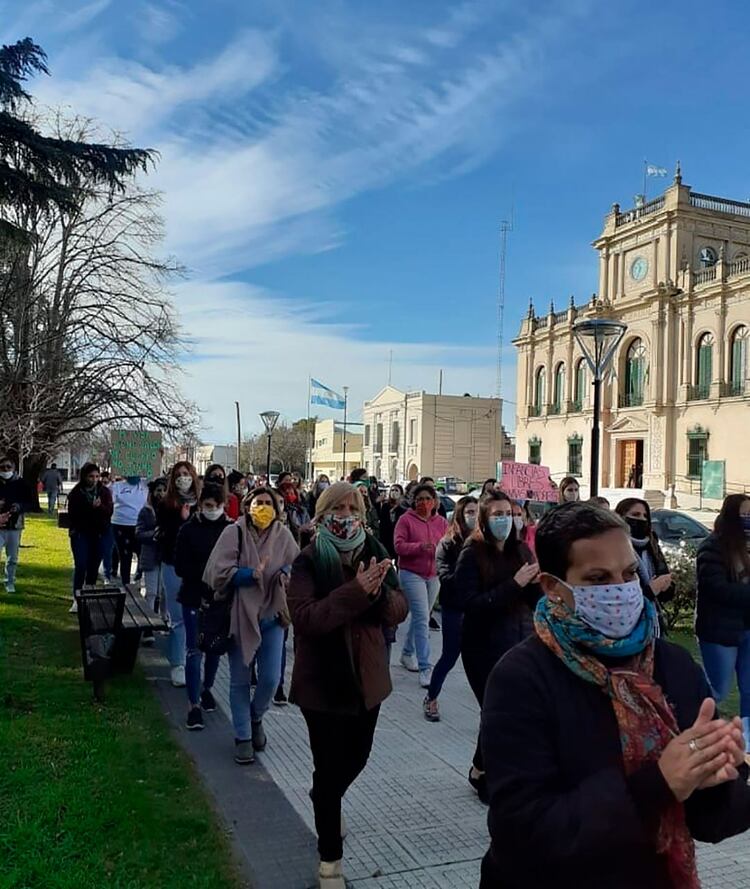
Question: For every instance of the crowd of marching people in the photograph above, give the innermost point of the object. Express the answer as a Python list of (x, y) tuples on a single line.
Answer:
[(597, 733)]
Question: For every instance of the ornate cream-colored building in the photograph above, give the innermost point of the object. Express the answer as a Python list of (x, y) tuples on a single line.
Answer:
[(676, 270)]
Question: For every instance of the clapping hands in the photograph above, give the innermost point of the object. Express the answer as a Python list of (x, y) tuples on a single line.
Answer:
[(371, 577)]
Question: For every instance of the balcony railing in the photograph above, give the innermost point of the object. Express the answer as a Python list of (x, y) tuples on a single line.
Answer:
[(733, 389), (698, 393), (639, 212), (535, 410), (719, 205), (630, 399), (704, 275), (739, 266)]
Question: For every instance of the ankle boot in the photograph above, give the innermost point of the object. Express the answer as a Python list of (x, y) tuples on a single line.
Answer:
[(331, 876)]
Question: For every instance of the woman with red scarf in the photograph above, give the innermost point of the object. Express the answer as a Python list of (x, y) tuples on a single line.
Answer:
[(297, 516), (605, 756)]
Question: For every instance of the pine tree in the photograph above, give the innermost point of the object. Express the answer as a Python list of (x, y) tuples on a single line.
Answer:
[(42, 173)]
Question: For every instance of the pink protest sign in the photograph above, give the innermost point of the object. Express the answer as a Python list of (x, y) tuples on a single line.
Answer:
[(527, 481)]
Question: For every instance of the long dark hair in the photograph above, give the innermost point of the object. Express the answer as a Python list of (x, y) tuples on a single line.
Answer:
[(566, 483), (172, 498), (490, 481), (85, 470), (485, 545), (731, 535), (457, 530), (624, 506), (212, 468)]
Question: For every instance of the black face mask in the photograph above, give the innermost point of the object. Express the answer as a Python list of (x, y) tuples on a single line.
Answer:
[(215, 479), (639, 528)]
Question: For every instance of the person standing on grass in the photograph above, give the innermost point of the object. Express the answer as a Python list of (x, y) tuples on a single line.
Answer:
[(342, 592), (128, 498), (446, 558), (52, 482), (195, 542), (89, 514), (722, 622), (416, 537), (15, 500), (148, 562), (495, 586), (605, 755), (178, 504), (251, 562)]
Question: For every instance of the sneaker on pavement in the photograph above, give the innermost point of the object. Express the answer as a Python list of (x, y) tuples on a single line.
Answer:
[(331, 876), (259, 736), (10, 588), (195, 719), (208, 701), (243, 752), (147, 637), (409, 662), (280, 698), (177, 676), (74, 607), (431, 710), (425, 677)]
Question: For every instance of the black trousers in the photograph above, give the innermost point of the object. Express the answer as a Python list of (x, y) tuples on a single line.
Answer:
[(340, 748), (478, 664), (125, 543)]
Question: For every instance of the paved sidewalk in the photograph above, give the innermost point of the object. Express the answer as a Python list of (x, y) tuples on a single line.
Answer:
[(413, 819)]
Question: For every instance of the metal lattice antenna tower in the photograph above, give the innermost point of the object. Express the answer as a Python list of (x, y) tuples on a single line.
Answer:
[(505, 228)]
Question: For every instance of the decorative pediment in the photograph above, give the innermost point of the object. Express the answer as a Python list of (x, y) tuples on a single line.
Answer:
[(635, 423)]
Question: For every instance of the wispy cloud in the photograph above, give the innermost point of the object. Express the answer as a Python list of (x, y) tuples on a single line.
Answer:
[(82, 16)]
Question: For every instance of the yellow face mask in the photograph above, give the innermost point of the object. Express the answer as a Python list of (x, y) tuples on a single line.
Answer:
[(261, 515)]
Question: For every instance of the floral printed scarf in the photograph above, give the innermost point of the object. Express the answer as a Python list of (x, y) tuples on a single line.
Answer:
[(644, 718)]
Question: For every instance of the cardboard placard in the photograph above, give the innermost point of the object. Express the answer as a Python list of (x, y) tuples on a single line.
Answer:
[(136, 452), (527, 481)]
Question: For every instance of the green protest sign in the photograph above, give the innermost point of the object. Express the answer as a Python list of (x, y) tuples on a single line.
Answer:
[(712, 479), (136, 452)]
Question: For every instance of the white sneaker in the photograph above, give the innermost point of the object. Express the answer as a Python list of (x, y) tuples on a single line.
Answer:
[(331, 876), (409, 662), (10, 588), (425, 677), (178, 677), (74, 607)]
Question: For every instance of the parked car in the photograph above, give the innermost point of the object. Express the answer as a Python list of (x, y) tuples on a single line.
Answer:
[(673, 528)]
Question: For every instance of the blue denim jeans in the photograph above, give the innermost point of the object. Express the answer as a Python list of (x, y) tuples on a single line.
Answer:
[(421, 593), (51, 501), (451, 622), (10, 541), (246, 708), (87, 554), (108, 552), (194, 658), (721, 662), (171, 583)]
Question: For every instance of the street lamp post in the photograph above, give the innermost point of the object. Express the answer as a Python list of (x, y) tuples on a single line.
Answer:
[(346, 403), (239, 435), (270, 419), (598, 339)]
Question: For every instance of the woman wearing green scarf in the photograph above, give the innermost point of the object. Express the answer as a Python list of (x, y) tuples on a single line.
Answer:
[(342, 592)]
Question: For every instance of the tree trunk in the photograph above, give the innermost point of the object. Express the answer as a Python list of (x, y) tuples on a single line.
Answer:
[(33, 466)]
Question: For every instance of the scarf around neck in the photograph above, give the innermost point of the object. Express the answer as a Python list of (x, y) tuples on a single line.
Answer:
[(644, 717)]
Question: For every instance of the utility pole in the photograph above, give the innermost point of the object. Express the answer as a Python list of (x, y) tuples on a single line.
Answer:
[(346, 404), (390, 366), (239, 435), (505, 228)]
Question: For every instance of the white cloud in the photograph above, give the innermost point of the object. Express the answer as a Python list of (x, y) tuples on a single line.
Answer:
[(251, 346), (79, 18)]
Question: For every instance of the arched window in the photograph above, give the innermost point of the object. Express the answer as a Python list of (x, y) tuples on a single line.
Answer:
[(635, 374), (704, 359), (559, 388), (738, 359), (708, 257), (579, 389), (540, 389)]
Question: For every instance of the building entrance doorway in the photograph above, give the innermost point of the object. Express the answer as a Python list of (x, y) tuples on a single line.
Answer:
[(630, 463)]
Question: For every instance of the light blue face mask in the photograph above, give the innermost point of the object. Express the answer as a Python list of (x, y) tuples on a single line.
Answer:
[(500, 526)]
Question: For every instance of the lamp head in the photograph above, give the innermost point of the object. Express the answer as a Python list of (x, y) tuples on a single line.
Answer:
[(270, 419), (598, 339)]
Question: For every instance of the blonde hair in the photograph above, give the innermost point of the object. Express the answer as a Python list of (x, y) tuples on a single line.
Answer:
[(336, 494)]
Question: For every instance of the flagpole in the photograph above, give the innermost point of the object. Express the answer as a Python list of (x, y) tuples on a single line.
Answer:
[(346, 402), (308, 442), (645, 175)]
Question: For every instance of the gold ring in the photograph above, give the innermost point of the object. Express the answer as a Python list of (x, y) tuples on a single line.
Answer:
[(693, 745)]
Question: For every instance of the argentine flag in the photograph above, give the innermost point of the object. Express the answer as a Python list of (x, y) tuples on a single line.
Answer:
[(320, 394)]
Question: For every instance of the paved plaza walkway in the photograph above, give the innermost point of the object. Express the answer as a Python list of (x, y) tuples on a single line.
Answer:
[(413, 819)]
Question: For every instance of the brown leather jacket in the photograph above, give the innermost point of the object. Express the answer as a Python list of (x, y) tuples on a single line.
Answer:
[(340, 663)]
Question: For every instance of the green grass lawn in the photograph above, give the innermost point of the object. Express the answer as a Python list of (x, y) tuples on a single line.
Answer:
[(91, 795)]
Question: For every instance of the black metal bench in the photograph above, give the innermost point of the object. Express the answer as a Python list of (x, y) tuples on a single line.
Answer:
[(111, 622)]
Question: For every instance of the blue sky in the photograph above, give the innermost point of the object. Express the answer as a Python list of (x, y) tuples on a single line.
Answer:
[(335, 172)]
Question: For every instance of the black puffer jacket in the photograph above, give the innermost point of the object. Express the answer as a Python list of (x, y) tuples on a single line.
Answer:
[(446, 559), (723, 602), (195, 542)]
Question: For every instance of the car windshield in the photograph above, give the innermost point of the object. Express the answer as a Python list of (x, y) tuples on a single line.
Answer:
[(674, 526)]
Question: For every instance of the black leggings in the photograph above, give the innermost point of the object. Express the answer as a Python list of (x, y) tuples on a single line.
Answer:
[(340, 748), (125, 543), (478, 664)]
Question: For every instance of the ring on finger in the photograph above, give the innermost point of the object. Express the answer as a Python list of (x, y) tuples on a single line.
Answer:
[(694, 745)]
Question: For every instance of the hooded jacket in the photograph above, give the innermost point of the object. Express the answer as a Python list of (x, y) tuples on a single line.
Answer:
[(408, 539)]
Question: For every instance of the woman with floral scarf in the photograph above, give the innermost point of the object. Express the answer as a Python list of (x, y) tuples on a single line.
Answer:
[(605, 756)]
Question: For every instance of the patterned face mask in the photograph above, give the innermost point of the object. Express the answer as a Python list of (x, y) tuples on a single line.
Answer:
[(612, 609), (343, 527)]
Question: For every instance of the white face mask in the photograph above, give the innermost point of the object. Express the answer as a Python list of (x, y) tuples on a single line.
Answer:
[(6, 475), (612, 609), (518, 522), (183, 483), (213, 514), (471, 521)]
